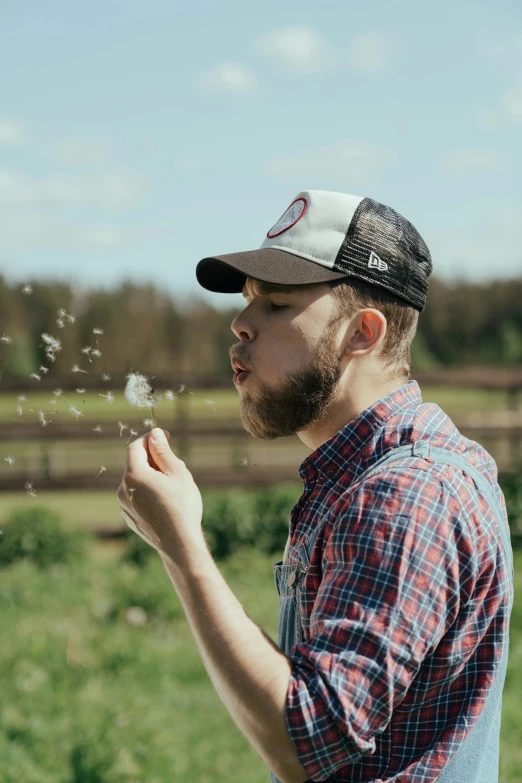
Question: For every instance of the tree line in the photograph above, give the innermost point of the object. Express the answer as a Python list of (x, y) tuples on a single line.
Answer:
[(149, 331)]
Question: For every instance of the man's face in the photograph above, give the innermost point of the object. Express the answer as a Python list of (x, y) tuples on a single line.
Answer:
[(294, 360)]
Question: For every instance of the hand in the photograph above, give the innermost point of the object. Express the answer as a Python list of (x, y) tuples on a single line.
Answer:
[(165, 508)]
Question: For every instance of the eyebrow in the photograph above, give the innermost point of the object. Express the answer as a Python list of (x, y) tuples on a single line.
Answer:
[(266, 288)]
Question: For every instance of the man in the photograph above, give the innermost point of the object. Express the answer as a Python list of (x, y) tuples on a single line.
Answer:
[(396, 585)]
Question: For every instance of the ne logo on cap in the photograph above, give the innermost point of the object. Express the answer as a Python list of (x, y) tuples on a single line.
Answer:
[(293, 214)]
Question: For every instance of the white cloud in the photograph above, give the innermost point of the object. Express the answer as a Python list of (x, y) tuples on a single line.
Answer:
[(228, 77), (512, 104), (23, 230), (301, 48), (87, 152), (112, 189), (373, 51), (472, 160), (350, 163), (12, 134)]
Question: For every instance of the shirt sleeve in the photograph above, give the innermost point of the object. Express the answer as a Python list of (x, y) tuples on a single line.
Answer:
[(395, 559)]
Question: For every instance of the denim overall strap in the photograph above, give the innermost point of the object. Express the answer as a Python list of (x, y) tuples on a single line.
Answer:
[(475, 760)]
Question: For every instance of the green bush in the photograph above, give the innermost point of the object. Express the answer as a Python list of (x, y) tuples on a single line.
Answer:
[(37, 534), (233, 519), (511, 486)]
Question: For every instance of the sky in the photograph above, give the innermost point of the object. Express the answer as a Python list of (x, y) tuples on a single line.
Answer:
[(137, 138)]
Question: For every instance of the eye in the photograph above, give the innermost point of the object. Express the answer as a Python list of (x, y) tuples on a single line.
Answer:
[(274, 308)]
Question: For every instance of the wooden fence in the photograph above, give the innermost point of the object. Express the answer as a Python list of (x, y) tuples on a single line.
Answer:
[(505, 426)]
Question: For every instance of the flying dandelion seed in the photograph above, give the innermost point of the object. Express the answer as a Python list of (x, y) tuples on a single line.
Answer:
[(96, 352), (10, 460), (44, 369), (98, 428), (5, 339), (34, 375), (60, 323), (21, 398), (139, 393), (131, 490), (75, 368), (105, 377), (97, 331), (62, 313), (80, 391), (54, 345), (169, 395), (41, 416), (101, 471), (87, 350), (181, 388), (19, 410), (109, 396), (122, 427), (75, 412), (58, 393), (71, 318), (27, 289), (149, 423), (132, 432), (210, 402), (29, 489), (245, 462)]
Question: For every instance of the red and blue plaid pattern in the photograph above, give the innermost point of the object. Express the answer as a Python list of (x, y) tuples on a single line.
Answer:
[(404, 607)]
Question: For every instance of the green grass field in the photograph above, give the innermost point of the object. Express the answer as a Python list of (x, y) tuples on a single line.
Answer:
[(225, 404), (95, 693)]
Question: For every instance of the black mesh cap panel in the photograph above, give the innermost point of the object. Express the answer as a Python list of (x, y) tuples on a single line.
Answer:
[(378, 229)]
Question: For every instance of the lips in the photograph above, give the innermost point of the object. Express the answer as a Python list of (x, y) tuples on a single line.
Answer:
[(239, 367)]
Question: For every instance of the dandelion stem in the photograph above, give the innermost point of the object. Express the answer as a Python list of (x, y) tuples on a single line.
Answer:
[(154, 424)]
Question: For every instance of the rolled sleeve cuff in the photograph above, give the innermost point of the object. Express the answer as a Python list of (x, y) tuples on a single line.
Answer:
[(324, 742)]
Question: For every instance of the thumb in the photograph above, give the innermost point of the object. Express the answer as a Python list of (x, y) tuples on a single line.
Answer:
[(159, 446)]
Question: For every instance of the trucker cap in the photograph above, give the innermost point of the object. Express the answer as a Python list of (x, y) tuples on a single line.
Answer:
[(324, 235)]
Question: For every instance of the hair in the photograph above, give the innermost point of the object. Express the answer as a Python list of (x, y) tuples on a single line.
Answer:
[(350, 295)]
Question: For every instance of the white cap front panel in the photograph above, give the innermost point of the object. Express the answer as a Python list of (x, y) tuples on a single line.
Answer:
[(314, 225)]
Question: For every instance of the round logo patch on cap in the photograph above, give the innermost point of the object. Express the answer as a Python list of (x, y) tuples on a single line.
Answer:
[(293, 214)]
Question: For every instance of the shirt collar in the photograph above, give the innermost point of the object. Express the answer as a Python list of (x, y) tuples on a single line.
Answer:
[(343, 447)]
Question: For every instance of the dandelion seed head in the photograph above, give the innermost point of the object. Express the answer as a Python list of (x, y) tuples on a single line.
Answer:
[(138, 391)]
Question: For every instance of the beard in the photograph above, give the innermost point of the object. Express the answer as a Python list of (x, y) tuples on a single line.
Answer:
[(301, 399)]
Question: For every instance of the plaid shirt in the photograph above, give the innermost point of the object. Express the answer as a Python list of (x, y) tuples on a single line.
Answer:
[(404, 607)]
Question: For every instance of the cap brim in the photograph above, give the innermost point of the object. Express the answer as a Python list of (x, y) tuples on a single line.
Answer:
[(227, 274)]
